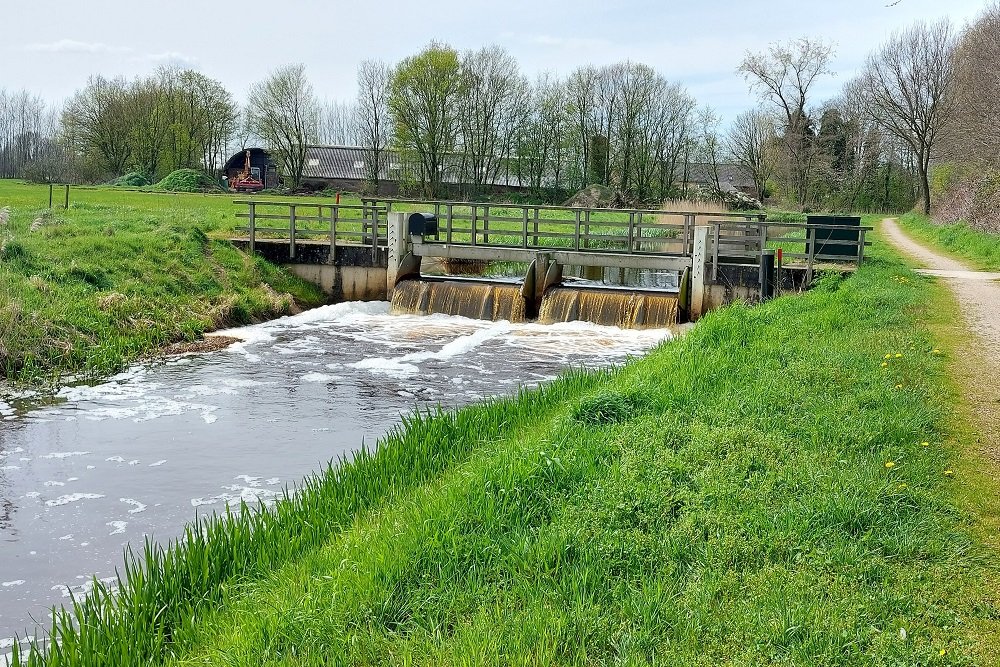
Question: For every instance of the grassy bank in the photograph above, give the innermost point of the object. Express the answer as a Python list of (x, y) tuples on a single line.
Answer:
[(979, 249), (774, 488), (121, 274)]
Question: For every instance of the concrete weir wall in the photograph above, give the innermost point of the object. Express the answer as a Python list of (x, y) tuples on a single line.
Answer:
[(355, 273)]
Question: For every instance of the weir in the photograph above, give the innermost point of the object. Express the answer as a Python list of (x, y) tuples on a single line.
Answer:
[(468, 298), (610, 307), (371, 252)]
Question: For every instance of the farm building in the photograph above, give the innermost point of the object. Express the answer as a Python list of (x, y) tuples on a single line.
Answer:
[(343, 168), (261, 166)]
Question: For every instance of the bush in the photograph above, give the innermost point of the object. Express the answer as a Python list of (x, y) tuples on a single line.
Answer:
[(188, 180), (133, 179)]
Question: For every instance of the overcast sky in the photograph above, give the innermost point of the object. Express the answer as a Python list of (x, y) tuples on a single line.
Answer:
[(51, 46)]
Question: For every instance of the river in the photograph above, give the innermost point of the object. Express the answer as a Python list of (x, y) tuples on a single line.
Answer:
[(99, 466)]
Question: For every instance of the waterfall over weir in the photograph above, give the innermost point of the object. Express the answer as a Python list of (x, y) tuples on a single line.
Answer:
[(624, 308), (616, 308), (477, 300)]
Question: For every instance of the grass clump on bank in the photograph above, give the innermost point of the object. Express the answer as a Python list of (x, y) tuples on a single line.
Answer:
[(773, 488), (980, 249), (111, 279)]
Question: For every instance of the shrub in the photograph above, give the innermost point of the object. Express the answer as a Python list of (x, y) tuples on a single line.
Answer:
[(133, 179)]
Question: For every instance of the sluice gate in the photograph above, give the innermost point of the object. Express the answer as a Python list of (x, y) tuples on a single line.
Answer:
[(372, 252), (479, 299)]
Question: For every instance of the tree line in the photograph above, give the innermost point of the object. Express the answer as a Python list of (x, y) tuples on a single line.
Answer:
[(920, 115)]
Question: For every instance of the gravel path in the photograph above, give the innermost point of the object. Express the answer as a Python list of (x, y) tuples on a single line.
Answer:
[(978, 295), (978, 292)]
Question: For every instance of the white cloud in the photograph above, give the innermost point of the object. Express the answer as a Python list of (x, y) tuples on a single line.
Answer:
[(75, 46), (172, 58)]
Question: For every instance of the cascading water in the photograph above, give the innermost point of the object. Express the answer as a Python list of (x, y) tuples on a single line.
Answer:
[(624, 308), (476, 300), (609, 307)]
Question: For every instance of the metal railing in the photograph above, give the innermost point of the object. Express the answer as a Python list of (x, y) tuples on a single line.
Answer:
[(632, 231), (343, 224), (744, 243)]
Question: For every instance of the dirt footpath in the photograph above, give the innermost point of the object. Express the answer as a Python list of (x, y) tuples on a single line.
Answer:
[(978, 292)]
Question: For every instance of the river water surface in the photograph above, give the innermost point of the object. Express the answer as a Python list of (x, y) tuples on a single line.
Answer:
[(96, 467)]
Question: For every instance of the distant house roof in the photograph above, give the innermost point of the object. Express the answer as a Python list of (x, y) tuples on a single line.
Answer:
[(731, 176), (348, 163)]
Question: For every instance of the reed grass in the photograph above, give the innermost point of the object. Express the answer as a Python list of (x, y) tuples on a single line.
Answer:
[(773, 488)]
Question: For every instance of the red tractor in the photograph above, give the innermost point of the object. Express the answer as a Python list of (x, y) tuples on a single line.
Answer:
[(248, 180)]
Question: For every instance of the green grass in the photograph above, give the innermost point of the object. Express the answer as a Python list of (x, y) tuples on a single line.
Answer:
[(121, 274), (756, 492), (980, 249)]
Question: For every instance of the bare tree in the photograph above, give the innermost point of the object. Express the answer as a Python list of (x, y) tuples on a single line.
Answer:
[(373, 120), (784, 75), (423, 98), (100, 122), (283, 111), (492, 104), (904, 87), (750, 142), (338, 124), (974, 134)]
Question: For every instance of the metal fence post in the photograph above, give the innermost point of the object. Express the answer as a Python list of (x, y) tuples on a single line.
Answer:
[(253, 227)]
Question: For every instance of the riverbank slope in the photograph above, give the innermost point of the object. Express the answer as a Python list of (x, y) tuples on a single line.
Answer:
[(778, 486), (120, 275)]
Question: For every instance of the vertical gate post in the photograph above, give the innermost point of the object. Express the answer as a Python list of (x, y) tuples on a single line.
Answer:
[(397, 248), (699, 260)]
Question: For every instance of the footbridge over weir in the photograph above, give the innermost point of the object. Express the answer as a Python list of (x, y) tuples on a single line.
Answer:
[(408, 251)]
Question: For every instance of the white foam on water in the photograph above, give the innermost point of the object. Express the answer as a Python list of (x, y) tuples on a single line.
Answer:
[(137, 507), (118, 526), (6, 409), (237, 383), (247, 494), (206, 390), (32, 494), (391, 367), (319, 377), (53, 482), (272, 481), (84, 589), (66, 537), (5, 468), (72, 498), (115, 459), (157, 463), (91, 467), (72, 479), (248, 480), (15, 582), (134, 462)]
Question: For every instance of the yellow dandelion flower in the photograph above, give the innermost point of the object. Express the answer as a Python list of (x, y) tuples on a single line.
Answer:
[(942, 652), (888, 356), (890, 464), (898, 355), (925, 444), (885, 364), (899, 386), (949, 473), (937, 351), (902, 487)]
